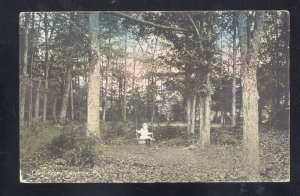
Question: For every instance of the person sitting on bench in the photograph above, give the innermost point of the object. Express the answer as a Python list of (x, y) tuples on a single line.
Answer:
[(145, 134)]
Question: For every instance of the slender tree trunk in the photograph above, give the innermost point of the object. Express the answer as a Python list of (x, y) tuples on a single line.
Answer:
[(30, 97), (147, 99), (222, 107), (106, 84), (46, 68), (204, 139), (31, 62), (125, 82), (106, 77), (65, 98), (188, 114), (249, 54), (193, 115), (45, 96), (201, 114), (71, 99), (93, 110), (54, 108), (111, 86), (234, 48), (37, 101), (153, 92), (23, 67)]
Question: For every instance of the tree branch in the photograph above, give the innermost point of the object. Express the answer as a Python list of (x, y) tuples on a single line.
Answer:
[(197, 31), (148, 22)]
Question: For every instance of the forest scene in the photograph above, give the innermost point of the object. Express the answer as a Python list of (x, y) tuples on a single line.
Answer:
[(113, 97)]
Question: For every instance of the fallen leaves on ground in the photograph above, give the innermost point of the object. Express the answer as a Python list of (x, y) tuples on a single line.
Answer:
[(159, 163)]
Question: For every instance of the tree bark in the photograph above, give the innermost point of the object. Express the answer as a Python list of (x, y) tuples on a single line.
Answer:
[(106, 80), (46, 67), (37, 101), (234, 48), (71, 99), (31, 62), (23, 67), (93, 106), (201, 114), (193, 115), (125, 81), (204, 139), (65, 98), (249, 55), (54, 108), (153, 92), (188, 114)]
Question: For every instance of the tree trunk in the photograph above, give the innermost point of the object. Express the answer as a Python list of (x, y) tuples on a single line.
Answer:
[(46, 68), (193, 115), (106, 83), (23, 67), (30, 98), (204, 139), (37, 101), (65, 98), (54, 108), (188, 114), (31, 62), (71, 99), (234, 48), (93, 106), (201, 114), (125, 81), (249, 55), (153, 91)]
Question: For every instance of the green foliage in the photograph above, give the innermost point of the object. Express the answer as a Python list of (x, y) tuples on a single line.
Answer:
[(167, 132), (118, 133), (73, 146), (226, 136)]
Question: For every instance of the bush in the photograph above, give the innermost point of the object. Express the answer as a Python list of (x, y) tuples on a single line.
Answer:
[(226, 136), (168, 132), (73, 146), (118, 133)]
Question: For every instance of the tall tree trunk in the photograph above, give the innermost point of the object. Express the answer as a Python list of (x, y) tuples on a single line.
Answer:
[(153, 91), (37, 101), (193, 115), (106, 82), (249, 55), (93, 106), (31, 62), (71, 99), (133, 93), (201, 114), (234, 48), (125, 81), (65, 98), (188, 114), (54, 108), (111, 87), (46, 67), (23, 67), (204, 139), (222, 107)]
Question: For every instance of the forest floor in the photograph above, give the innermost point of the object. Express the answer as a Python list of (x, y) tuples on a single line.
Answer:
[(165, 162)]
